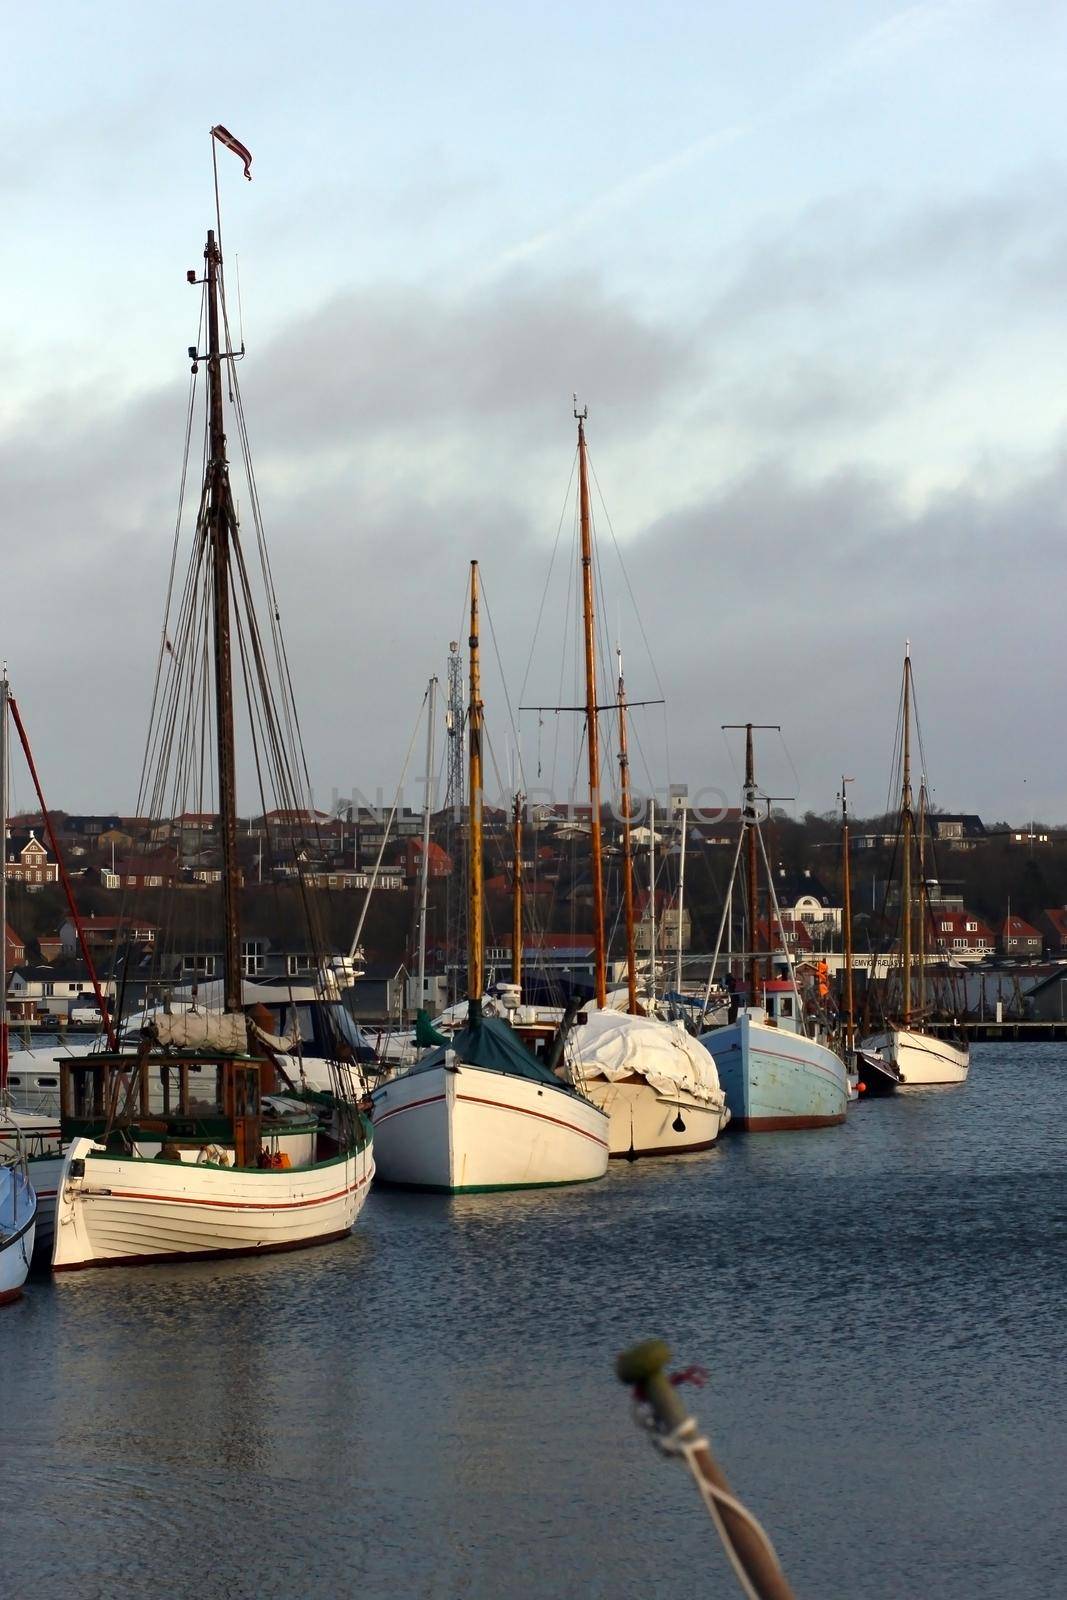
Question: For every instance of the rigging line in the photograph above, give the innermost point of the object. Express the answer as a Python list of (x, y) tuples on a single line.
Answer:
[(388, 828), (161, 656), (626, 579), (503, 682), (548, 579), (789, 758)]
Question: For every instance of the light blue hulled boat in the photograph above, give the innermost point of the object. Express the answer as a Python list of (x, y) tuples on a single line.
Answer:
[(774, 1076)]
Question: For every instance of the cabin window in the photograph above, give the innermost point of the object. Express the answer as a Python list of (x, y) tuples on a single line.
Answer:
[(787, 1006)]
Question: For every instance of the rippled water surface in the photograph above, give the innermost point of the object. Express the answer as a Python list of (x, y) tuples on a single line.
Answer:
[(429, 1408)]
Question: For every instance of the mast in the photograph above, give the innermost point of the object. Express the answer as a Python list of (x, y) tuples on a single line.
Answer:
[(219, 519), (627, 849), (4, 692), (906, 830), (681, 895), (920, 926), (424, 885), (476, 950), (652, 890), (846, 886), (754, 965), (591, 727), (516, 896)]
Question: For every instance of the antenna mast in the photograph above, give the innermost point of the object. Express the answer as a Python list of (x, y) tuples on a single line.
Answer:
[(591, 724), (474, 728), (219, 523), (455, 901)]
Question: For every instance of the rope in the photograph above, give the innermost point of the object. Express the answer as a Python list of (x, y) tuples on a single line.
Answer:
[(685, 1443)]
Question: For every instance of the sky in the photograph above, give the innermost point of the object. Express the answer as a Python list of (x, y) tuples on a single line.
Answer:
[(804, 264)]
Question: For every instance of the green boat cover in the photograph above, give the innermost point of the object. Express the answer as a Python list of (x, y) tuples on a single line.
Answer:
[(425, 1032), (491, 1043)]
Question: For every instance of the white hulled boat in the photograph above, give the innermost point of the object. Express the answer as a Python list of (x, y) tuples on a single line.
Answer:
[(658, 1085), (481, 1112), (178, 1143), (921, 1059), (18, 1217)]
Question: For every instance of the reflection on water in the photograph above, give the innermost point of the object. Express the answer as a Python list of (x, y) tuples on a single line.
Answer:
[(428, 1408)]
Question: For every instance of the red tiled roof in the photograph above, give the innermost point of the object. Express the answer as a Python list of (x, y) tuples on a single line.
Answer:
[(1015, 928)]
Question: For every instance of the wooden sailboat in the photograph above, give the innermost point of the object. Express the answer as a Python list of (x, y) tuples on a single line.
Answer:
[(658, 1084), (777, 1068), (481, 1112), (920, 1058), (175, 1145), (874, 1074), (18, 1199)]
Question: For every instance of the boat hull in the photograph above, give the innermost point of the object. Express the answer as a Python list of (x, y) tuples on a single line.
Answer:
[(643, 1122), (18, 1220), (775, 1080), (125, 1211), (461, 1129), (921, 1059)]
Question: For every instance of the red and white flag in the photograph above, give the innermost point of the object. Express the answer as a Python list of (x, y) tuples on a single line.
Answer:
[(224, 136)]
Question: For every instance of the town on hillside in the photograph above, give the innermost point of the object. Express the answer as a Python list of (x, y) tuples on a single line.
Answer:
[(995, 919)]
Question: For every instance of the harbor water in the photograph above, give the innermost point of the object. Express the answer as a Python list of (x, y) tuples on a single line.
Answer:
[(428, 1409)]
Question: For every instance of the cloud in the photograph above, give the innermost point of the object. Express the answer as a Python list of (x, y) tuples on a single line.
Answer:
[(398, 433)]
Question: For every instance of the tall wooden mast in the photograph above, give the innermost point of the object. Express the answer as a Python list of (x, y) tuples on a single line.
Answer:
[(920, 920), (4, 696), (906, 832), (754, 964), (475, 951), (627, 849), (219, 522), (516, 894), (846, 914), (591, 724)]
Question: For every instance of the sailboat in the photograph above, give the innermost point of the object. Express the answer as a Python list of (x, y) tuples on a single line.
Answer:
[(657, 1084), (479, 1111), (18, 1200), (778, 1073), (921, 1059), (179, 1144), (872, 1073)]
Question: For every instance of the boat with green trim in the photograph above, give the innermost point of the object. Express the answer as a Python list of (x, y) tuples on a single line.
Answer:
[(189, 1135), (480, 1111)]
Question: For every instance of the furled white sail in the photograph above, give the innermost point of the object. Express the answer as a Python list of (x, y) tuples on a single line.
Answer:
[(616, 1045)]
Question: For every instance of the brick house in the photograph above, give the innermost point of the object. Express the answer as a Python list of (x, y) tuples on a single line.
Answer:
[(1053, 925), (1018, 938), (31, 865), (961, 934)]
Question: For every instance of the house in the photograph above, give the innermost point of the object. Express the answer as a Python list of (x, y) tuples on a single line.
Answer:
[(1052, 924), (960, 832), (808, 901), (440, 862), (797, 933), (31, 864), (1018, 938), (15, 947), (39, 989), (101, 933), (667, 923), (960, 934), (140, 872)]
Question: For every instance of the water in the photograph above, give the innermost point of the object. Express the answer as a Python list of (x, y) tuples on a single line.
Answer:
[(429, 1408)]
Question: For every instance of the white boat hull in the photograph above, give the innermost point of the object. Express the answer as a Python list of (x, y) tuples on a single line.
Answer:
[(459, 1129), (122, 1211), (18, 1218), (920, 1058), (643, 1122), (44, 1174)]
